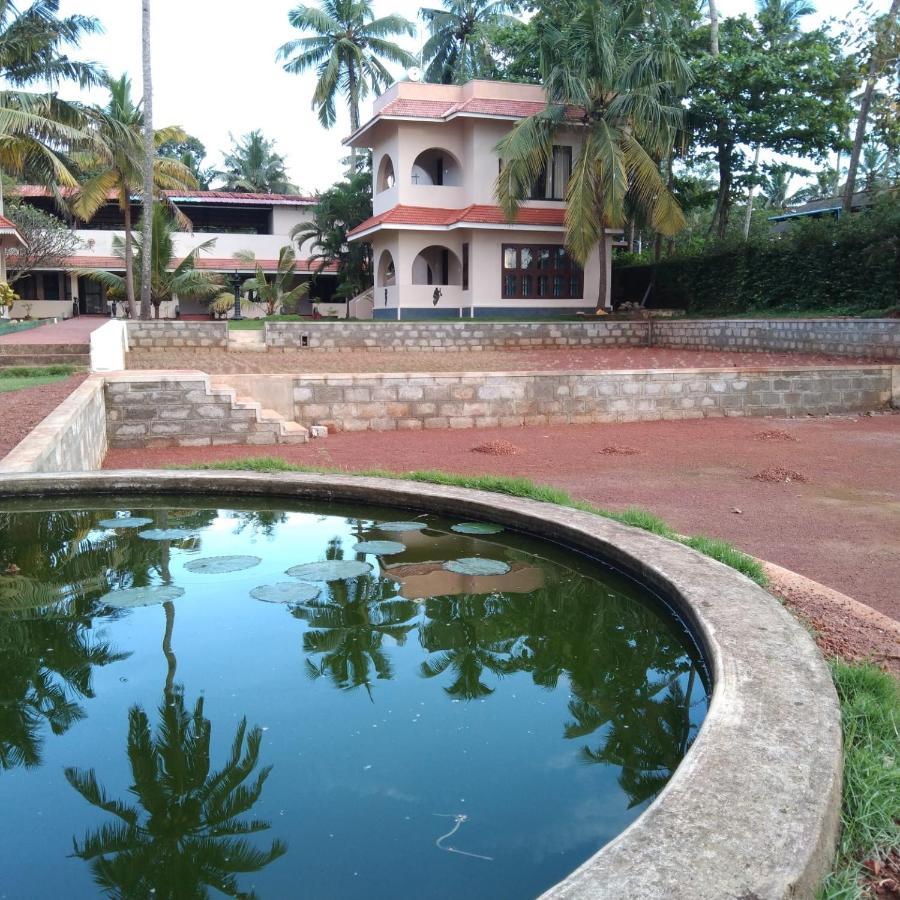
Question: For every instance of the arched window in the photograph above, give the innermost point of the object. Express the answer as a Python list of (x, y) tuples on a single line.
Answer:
[(436, 167), (436, 265), (386, 275), (385, 179)]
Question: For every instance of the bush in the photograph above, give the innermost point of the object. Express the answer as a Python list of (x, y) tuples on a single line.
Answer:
[(848, 266)]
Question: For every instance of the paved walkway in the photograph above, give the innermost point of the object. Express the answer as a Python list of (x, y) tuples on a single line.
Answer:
[(69, 331)]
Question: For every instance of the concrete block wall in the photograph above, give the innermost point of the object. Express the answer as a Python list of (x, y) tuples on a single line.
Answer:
[(165, 409), (876, 339), (451, 336), (475, 400), (169, 335)]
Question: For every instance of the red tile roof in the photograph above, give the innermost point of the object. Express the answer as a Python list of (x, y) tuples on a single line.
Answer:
[(477, 214), (9, 229), (218, 197)]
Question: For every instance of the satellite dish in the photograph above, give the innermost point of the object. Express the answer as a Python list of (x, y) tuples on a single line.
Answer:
[(414, 74)]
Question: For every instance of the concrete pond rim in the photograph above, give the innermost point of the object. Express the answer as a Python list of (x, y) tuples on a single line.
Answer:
[(753, 809)]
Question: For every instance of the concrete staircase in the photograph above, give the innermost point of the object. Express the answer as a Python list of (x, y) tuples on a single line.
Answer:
[(240, 341), (284, 431), (44, 355)]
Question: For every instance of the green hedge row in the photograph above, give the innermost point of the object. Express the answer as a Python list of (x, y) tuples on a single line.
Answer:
[(845, 266)]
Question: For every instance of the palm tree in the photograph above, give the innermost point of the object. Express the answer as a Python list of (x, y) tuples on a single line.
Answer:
[(617, 81), (346, 48), (117, 164), (185, 834), (460, 47), (279, 292), (254, 166), (168, 278), (779, 20), (149, 156)]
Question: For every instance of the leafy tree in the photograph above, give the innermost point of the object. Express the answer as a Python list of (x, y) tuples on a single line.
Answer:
[(48, 241), (116, 161), (338, 210), (618, 75), (168, 277), (346, 47), (460, 46), (280, 293), (253, 165), (191, 153), (183, 833)]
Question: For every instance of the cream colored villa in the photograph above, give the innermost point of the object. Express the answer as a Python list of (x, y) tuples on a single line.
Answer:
[(441, 245), (259, 223)]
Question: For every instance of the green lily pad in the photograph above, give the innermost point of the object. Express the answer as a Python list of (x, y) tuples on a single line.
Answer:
[(165, 534), (476, 528), (125, 522), (220, 565), (474, 565), (401, 526), (286, 592), (330, 570), (142, 596), (379, 548)]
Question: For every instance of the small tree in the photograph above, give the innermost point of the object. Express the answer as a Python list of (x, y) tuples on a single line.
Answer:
[(48, 241), (277, 293)]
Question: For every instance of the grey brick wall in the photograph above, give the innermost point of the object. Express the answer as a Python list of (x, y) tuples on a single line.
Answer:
[(169, 334), (164, 410), (388, 402), (876, 339), (450, 336)]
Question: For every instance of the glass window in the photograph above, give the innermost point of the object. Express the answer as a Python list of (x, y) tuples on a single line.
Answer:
[(51, 286), (525, 256), (509, 286), (534, 272), (509, 258)]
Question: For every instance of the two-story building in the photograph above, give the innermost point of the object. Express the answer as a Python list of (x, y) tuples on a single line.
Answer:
[(441, 244), (258, 223)]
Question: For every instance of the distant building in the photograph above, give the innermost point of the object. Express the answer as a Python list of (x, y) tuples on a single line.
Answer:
[(441, 244), (824, 206), (260, 223)]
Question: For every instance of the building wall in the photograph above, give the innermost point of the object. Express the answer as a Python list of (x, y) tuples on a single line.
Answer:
[(511, 399)]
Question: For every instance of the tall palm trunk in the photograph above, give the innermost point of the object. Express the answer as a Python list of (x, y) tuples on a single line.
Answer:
[(863, 119), (748, 214), (129, 260), (149, 152), (603, 287), (353, 86), (713, 28)]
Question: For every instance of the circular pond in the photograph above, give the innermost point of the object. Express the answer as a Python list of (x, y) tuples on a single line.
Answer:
[(271, 694)]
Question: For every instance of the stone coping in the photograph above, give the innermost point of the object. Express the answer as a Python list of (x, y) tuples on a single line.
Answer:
[(753, 809)]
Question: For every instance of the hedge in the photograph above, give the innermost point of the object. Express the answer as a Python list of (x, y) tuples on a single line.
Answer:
[(846, 266)]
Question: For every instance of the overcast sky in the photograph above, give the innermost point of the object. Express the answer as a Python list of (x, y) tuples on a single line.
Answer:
[(214, 72)]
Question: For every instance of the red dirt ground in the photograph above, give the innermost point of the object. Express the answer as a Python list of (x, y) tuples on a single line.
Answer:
[(21, 410), (839, 528), (538, 359)]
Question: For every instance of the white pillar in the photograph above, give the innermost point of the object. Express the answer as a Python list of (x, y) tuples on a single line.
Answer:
[(73, 290)]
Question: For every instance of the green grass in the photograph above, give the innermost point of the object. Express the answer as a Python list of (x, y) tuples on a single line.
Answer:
[(16, 378), (10, 327), (870, 714), (518, 487)]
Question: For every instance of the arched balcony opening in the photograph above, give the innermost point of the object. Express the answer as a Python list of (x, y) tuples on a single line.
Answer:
[(436, 265), (437, 167), (385, 178), (385, 274)]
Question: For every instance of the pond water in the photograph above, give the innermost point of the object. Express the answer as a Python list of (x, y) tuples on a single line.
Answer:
[(445, 711)]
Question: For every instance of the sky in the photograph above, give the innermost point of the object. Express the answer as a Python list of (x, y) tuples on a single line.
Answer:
[(215, 74)]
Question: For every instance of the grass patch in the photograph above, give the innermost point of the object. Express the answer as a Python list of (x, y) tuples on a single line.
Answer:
[(516, 487), (870, 713), (10, 327), (18, 377)]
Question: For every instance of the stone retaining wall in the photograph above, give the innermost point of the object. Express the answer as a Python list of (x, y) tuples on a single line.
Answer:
[(451, 336), (864, 338), (477, 400), (71, 439), (167, 335), (160, 409)]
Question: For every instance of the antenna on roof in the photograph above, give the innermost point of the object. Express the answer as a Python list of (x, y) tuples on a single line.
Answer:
[(414, 74)]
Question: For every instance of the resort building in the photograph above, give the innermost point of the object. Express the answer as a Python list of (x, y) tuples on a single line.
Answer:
[(258, 223), (441, 244)]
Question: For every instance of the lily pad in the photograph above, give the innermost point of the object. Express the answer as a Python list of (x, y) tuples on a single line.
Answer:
[(474, 565), (165, 534), (220, 565), (286, 592), (379, 548), (330, 570), (476, 528), (125, 522), (142, 596), (401, 526)]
